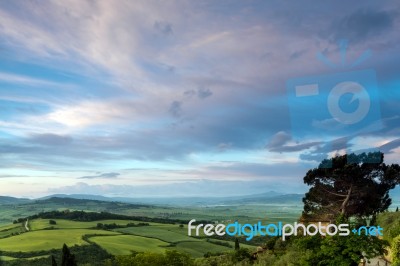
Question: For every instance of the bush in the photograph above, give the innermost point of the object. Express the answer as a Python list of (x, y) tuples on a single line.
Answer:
[(396, 251), (169, 258)]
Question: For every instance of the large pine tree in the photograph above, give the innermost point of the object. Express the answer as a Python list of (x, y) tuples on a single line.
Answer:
[(349, 185)]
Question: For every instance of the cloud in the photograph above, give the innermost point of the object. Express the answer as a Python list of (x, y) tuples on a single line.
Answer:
[(111, 175), (33, 82), (164, 27), (390, 146), (317, 157), (175, 108), (297, 54), (224, 146), (278, 140), (203, 93), (51, 139), (296, 148), (278, 143), (108, 86), (362, 24), (324, 149), (189, 93)]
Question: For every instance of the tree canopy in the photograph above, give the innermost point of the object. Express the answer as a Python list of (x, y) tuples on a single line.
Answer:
[(349, 186)]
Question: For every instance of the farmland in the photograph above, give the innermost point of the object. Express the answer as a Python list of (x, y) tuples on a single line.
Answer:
[(144, 228)]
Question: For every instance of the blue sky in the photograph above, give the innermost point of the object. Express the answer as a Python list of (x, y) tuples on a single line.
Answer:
[(179, 98)]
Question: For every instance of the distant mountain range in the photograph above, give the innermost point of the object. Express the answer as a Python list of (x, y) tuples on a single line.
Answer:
[(263, 198), (12, 200), (271, 197)]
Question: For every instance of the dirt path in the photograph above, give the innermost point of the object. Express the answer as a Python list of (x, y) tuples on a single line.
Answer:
[(26, 225)]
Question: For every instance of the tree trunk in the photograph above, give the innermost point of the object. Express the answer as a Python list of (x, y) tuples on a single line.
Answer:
[(346, 202)]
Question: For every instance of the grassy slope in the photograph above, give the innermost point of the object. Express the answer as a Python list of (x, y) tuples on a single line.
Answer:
[(390, 222), (164, 233), (180, 240), (7, 258), (39, 224), (124, 244), (47, 239), (197, 249), (244, 213), (155, 237)]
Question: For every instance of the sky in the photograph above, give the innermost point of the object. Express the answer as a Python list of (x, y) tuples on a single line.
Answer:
[(191, 98)]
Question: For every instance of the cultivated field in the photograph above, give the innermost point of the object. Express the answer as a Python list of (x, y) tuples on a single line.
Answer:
[(155, 237)]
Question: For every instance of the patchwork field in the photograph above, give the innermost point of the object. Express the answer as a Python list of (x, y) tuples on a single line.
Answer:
[(47, 239), (125, 244), (39, 224), (155, 237), (169, 233), (155, 229)]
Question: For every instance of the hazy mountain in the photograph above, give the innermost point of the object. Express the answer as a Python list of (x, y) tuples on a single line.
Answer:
[(12, 200), (78, 196), (263, 198), (271, 197)]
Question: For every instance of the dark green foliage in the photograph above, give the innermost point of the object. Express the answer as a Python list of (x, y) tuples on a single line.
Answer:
[(237, 246), (213, 254), (114, 225), (255, 241), (67, 258), (97, 216), (329, 250), (241, 254), (270, 243), (396, 251), (52, 222), (53, 261), (390, 222), (86, 254), (221, 243), (80, 216), (169, 258), (397, 209), (352, 185)]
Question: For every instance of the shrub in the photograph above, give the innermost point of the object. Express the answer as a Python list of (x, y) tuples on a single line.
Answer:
[(396, 251)]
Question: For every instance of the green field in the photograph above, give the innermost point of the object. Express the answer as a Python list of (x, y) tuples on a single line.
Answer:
[(47, 239), (124, 244), (8, 227), (245, 213), (162, 232), (8, 258), (197, 249), (39, 224), (11, 229), (157, 236)]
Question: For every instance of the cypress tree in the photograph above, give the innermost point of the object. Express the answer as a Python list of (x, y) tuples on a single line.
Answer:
[(68, 259), (53, 261), (237, 246)]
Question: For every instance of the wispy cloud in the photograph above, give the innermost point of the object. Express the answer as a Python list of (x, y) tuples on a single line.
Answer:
[(88, 85), (111, 175)]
